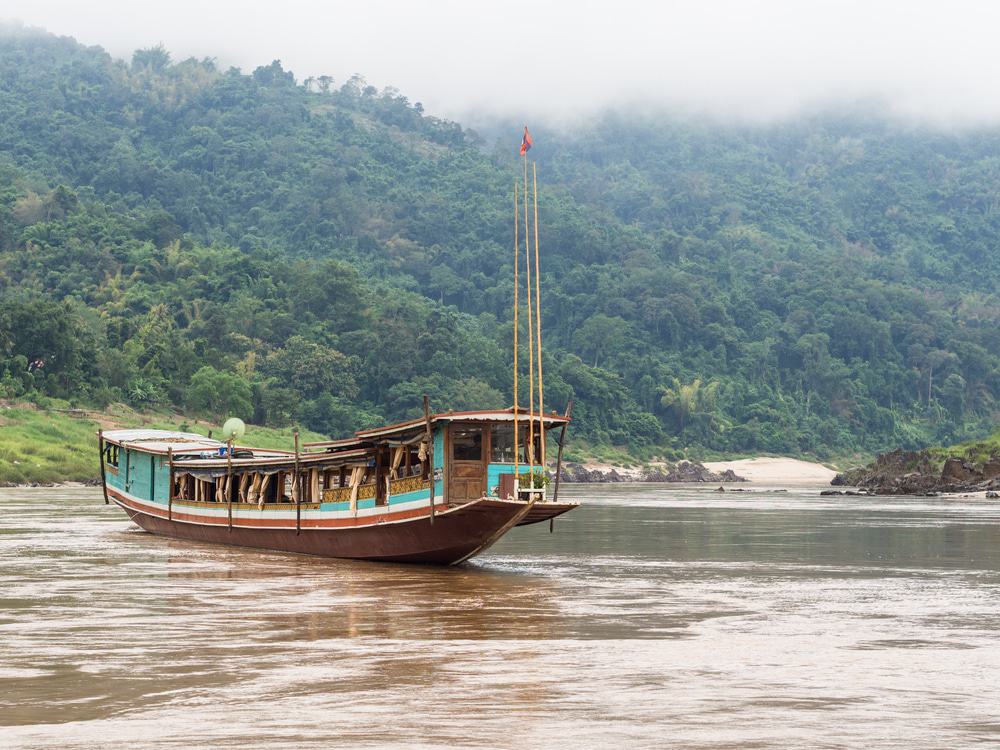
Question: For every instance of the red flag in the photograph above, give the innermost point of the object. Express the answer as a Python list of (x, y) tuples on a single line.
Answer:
[(526, 142)]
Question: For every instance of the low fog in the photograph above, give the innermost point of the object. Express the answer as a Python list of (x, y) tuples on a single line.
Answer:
[(760, 61)]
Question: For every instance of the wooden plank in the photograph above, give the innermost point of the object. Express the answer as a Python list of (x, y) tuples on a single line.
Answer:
[(170, 487), (430, 450), (487, 444), (448, 446), (379, 471), (229, 482), (297, 489)]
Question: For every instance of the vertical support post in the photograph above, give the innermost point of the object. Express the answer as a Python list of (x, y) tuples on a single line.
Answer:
[(538, 321), (562, 441), (531, 335), (430, 449), (229, 483), (170, 485), (297, 488), (517, 284), (379, 473), (104, 476)]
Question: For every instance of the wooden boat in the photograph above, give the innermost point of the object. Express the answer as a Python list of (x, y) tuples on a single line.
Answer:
[(433, 490)]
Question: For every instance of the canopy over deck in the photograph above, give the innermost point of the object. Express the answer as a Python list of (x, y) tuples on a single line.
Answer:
[(189, 451), (489, 415), (158, 441)]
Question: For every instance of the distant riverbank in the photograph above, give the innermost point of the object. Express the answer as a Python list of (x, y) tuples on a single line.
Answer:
[(58, 447), (777, 470), (761, 470)]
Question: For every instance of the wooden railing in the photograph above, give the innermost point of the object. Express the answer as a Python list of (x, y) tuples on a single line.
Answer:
[(366, 491)]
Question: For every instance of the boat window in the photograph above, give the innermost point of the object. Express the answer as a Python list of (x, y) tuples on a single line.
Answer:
[(467, 444), (111, 454), (502, 444)]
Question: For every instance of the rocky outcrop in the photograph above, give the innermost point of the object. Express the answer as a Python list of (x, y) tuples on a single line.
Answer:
[(693, 471), (920, 473), (991, 468), (580, 473), (683, 471)]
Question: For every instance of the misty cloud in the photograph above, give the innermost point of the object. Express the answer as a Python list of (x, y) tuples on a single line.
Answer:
[(934, 62)]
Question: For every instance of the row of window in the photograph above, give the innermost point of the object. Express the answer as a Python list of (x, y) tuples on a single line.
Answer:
[(467, 444), (111, 455)]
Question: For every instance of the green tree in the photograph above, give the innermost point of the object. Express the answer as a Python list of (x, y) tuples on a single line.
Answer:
[(219, 393)]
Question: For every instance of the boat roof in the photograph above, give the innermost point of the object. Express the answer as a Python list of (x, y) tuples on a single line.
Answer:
[(158, 441), (183, 443), (487, 415)]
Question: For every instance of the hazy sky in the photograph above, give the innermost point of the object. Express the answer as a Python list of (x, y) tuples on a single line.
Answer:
[(761, 60)]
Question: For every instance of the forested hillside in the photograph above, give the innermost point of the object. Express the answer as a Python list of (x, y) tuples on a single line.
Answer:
[(322, 253)]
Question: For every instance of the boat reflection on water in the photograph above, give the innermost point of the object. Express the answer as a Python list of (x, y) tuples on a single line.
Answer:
[(292, 597)]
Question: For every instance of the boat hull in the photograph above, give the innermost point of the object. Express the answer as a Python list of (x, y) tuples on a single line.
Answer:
[(455, 535), (545, 512)]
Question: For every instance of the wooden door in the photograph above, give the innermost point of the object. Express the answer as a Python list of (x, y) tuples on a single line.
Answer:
[(467, 465)]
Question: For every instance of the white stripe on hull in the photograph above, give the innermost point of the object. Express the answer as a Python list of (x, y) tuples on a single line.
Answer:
[(378, 515)]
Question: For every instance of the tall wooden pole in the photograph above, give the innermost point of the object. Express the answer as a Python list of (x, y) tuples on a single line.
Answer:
[(531, 333), (538, 321), (104, 476), (296, 488), (430, 449), (517, 265)]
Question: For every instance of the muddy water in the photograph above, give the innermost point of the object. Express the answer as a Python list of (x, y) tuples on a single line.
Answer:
[(653, 617)]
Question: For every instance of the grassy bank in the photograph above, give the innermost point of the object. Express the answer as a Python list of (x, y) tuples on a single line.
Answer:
[(60, 445), (580, 451)]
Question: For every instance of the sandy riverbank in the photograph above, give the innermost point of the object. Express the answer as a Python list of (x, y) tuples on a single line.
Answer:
[(776, 470)]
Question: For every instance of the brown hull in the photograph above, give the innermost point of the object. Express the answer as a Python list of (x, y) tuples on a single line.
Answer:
[(544, 511), (456, 534)]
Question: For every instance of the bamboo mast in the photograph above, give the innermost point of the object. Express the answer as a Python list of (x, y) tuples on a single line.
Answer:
[(517, 265), (538, 320), (531, 334)]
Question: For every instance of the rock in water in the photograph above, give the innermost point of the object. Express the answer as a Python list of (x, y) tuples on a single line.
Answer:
[(693, 471), (684, 471)]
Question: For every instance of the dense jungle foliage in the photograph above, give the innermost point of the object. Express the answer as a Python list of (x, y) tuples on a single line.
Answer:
[(176, 234)]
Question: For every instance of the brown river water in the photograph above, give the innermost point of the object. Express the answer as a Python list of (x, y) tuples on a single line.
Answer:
[(655, 616)]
